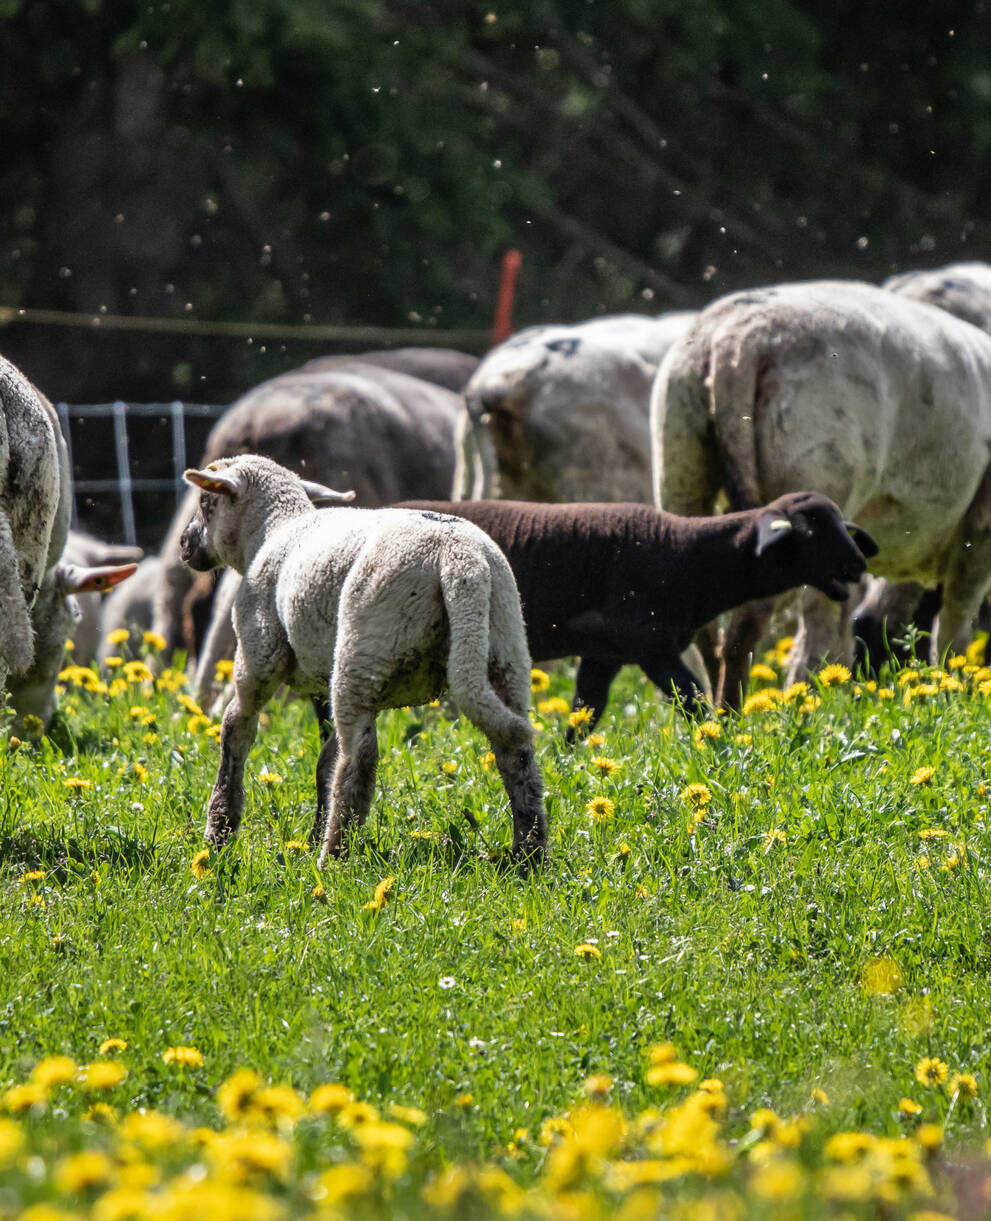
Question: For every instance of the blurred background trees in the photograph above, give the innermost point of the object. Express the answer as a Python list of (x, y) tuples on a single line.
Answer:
[(368, 161)]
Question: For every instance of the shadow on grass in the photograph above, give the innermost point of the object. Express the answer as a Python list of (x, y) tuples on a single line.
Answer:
[(59, 854)]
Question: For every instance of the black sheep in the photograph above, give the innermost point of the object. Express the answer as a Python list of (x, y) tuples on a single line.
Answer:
[(621, 584)]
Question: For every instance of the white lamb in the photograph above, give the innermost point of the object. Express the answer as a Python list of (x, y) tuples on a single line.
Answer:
[(385, 607)]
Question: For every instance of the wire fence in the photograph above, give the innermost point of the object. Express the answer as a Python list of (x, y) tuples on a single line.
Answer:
[(125, 485)]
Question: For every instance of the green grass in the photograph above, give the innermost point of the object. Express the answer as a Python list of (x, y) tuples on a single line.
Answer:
[(742, 938)]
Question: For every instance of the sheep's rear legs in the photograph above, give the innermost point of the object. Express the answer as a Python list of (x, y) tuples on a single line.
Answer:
[(353, 784)]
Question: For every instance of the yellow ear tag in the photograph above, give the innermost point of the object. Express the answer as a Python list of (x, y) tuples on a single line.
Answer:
[(780, 523)]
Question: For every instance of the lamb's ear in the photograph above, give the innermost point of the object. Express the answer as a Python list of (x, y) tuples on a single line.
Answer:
[(225, 483), (772, 526), (74, 579), (321, 495), (865, 544)]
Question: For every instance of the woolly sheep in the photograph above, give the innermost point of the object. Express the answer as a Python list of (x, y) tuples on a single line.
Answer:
[(560, 413), (381, 608), (30, 485), (626, 584), (37, 608), (379, 431), (879, 402)]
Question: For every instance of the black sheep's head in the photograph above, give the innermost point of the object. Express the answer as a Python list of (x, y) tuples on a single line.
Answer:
[(805, 534)]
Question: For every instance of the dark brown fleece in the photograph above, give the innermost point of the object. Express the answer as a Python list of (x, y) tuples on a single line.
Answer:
[(625, 584)]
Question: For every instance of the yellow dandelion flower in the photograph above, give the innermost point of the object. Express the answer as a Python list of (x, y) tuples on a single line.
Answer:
[(963, 1084), (929, 1136), (319, 893), (112, 1044), (76, 782), (118, 635), (213, 731), (356, 1113), (760, 701), (922, 775), (183, 1057), (149, 738), (297, 845), (671, 1072), (605, 764), (881, 977), (930, 1070), (820, 1096), (54, 1070), (600, 808), (581, 717), (540, 680), (141, 772), (411, 1115), (83, 1171), (908, 1107), (137, 672), (381, 896), (464, 1101), (696, 795), (449, 767), (707, 732), (762, 673), (154, 641), (102, 1075), (20, 1098), (330, 1098), (224, 669), (625, 849), (199, 864), (269, 778), (555, 706), (341, 1183), (587, 950), (518, 925), (834, 675), (112, 663), (33, 875), (598, 1085), (885, 693), (774, 836)]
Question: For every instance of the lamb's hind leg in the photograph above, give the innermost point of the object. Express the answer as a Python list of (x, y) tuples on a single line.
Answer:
[(325, 766), (354, 781), (967, 577)]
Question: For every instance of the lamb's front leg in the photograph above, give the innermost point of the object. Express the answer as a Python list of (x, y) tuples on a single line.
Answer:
[(237, 732)]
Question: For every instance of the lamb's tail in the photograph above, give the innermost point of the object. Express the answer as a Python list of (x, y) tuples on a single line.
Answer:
[(466, 585)]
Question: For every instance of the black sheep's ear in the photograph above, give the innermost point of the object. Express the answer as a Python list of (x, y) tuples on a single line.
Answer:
[(772, 527), (865, 544)]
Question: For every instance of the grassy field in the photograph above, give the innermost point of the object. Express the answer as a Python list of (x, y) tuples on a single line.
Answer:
[(751, 981)]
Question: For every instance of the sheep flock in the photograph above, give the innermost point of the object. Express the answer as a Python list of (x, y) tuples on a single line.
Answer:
[(626, 490)]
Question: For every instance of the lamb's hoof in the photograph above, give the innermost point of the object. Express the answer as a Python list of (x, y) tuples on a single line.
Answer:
[(530, 859)]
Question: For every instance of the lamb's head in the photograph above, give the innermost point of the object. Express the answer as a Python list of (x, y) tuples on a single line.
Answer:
[(804, 533), (239, 499)]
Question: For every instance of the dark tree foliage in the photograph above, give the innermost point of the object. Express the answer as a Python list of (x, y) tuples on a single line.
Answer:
[(367, 162)]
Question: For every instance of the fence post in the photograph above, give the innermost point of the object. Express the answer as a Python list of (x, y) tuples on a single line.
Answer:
[(124, 471), (63, 418)]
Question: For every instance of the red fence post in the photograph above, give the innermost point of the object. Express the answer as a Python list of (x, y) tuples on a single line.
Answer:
[(502, 326)]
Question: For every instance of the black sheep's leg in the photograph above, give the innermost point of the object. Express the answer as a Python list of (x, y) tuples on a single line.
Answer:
[(592, 685), (671, 676)]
